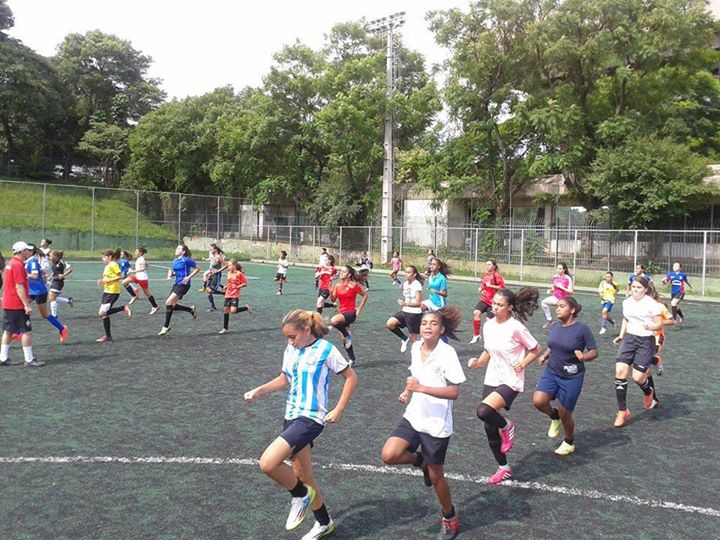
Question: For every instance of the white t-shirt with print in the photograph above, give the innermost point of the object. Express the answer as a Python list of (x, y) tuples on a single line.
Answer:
[(141, 267), (639, 313), (428, 414), (507, 344), (409, 291)]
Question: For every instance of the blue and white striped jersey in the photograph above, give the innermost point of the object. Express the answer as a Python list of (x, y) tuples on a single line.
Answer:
[(308, 372)]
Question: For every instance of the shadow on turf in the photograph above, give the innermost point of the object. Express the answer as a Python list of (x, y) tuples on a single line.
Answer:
[(81, 359)]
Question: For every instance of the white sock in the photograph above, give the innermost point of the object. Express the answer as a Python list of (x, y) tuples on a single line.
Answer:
[(27, 352), (4, 352), (53, 308), (62, 300), (505, 467)]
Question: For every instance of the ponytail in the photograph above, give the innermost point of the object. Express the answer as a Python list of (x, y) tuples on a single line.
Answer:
[(524, 302), (302, 319)]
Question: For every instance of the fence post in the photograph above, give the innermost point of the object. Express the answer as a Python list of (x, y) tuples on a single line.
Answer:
[(44, 206), (574, 255), (704, 264), (267, 243), (137, 218), (369, 249), (218, 218), (179, 218), (290, 241), (92, 222), (341, 243), (522, 252), (314, 243), (635, 251), (402, 233), (475, 243)]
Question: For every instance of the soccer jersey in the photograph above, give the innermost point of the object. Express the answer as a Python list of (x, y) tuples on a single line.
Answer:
[(507, 344), (639, 313), (282, 267), (346, 293), (607, 291), (437, 282), (235, 280), (395, 263), (308, 373), (37, 284), (561, 281), (111, 271), (326, 276), (563, 341), (488, 293), (141, 269), (182, 267), (644, 275), (677, 281), (441, 368), (124, 265), (409, 291), (14, 274)]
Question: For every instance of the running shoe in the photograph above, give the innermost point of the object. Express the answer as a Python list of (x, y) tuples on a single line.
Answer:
[(475, 339), (154, 310), (649, 401), (278, 293), (500, 476), (319, 531), (348, 341), (64, 334), (680, 320), (507, 437), (34, 363), (659, 369), (127, 311), (223, 331), (449, 528), (565, 449), (622, 418), (249, 308), (210, 310), (554, 429), (298, 508), (547, 325), (164, 330), (70, 301), (103, 339), (193, 312), (404, 345), (132, 299), (602, 331)]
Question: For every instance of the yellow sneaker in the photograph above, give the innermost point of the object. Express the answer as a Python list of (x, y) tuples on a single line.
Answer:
[(565, 449), (554, 429)]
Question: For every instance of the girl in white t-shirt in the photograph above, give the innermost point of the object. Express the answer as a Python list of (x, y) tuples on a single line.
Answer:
[(410, 308), (431, 388), (509, 349), (642, 317), (139, 276), (281, 274)]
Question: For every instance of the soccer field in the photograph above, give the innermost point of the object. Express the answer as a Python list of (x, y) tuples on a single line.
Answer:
[(149, 437)]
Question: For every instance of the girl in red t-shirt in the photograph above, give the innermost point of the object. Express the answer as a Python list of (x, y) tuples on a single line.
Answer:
[(236, 280), (325, 275), (491, 282), (346, 292)]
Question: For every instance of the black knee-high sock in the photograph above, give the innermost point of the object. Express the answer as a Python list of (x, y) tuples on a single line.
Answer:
[(621, 393), (645, 387), (493, 436), (399, 333), (652, 385), (280, 285), (319, 310), (168, 315), (490, 416), (679, 311), (321, 515), (342, 328), (178, 307), (610, 320), (328, 304), (300, 490), (241, 309), (350, 352), (114, 310), (151, 299), (106, 324), (226, 320), (211, 301), (555, 414), (129, 289), (674, 312)]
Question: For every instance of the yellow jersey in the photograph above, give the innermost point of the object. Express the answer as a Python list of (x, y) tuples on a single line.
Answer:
[(111, 271), (607, 291)]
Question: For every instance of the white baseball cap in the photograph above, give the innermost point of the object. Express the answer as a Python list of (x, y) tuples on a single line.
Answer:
[(19, 246)]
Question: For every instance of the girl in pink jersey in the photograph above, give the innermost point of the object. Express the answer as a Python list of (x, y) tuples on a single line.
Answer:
[(395, 265), (509, 349), (562, 286)]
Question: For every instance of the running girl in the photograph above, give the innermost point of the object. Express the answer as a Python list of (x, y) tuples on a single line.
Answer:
[(236, 280), (410, 313), (430, 258), (639, 272), (139, 276), (491, 282), (430, 390), (282, 268), (59, 271), (562, 285), (509, 349), (366, 266), (395, 265), (183, 270), (307, 363), (39, 292), (346, 292), (437, 285), (642, 317), (677, 280), (216, 258), (668, 320), (125, 264), (322, 262), (570, 345), (607, 291), (325, 275), (110, 282)]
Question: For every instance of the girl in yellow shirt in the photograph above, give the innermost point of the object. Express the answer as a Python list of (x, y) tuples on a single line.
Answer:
[(110, 282)]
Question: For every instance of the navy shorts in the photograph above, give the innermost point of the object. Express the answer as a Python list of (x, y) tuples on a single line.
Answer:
[(349, 316), (300, 432), (637, 351), (39, 298), (566, 391), (409, 320), (180, 290), (231, 302), (678, 296), (57, 285), (507, 393), (16, 321), (433, 449)]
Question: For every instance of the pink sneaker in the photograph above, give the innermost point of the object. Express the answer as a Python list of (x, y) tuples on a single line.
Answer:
[(507, 437), (500, 476)]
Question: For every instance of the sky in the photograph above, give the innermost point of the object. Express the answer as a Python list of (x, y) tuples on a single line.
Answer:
[(199, 46)]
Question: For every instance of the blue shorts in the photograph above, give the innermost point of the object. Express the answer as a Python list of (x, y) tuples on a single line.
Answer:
[(607, 305), (567, 391), (299, 432)]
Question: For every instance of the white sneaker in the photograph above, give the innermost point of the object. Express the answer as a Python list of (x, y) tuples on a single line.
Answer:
[(565, 449), (164, 330), (154, 310), (318, 531), (298, 508), (602, 331), (475, 339), (132, 300), (404, 345), (223, 331)]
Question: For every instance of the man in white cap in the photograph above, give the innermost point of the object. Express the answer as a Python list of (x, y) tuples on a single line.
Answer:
[(16, 305)]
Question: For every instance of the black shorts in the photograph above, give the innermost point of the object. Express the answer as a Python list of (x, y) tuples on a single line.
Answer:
[(16, 321), (57, 286), (349, 316), (280, 277), (109, 299), (507, 393), (325, 293), (409, 320), (300, 432), (231, 302), (180, 290), (433, 449), (214, 280), (39, 298), (482, 307), (637, 351), (679, 296)]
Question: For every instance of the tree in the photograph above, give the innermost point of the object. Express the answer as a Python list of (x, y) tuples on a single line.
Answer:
[(7, 20), (106, 143)]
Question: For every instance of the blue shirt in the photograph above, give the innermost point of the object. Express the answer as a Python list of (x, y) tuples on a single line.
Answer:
[(644, 274), (437, 283), (676, 280), (563, 341), (37, 286), (182, 266), (124, 266)]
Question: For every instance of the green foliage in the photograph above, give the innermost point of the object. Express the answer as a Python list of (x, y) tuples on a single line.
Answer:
[(7, 20), (107, 143)]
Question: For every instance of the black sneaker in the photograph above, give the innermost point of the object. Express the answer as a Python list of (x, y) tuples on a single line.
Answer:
[(34, 363)]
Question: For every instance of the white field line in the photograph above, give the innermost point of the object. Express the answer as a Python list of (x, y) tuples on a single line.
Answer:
[(535, 486)]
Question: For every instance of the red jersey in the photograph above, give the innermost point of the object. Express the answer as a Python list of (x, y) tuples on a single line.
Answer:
[(346, 293), (14, 273), (326, 275), (235, 280), (488, 293)]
